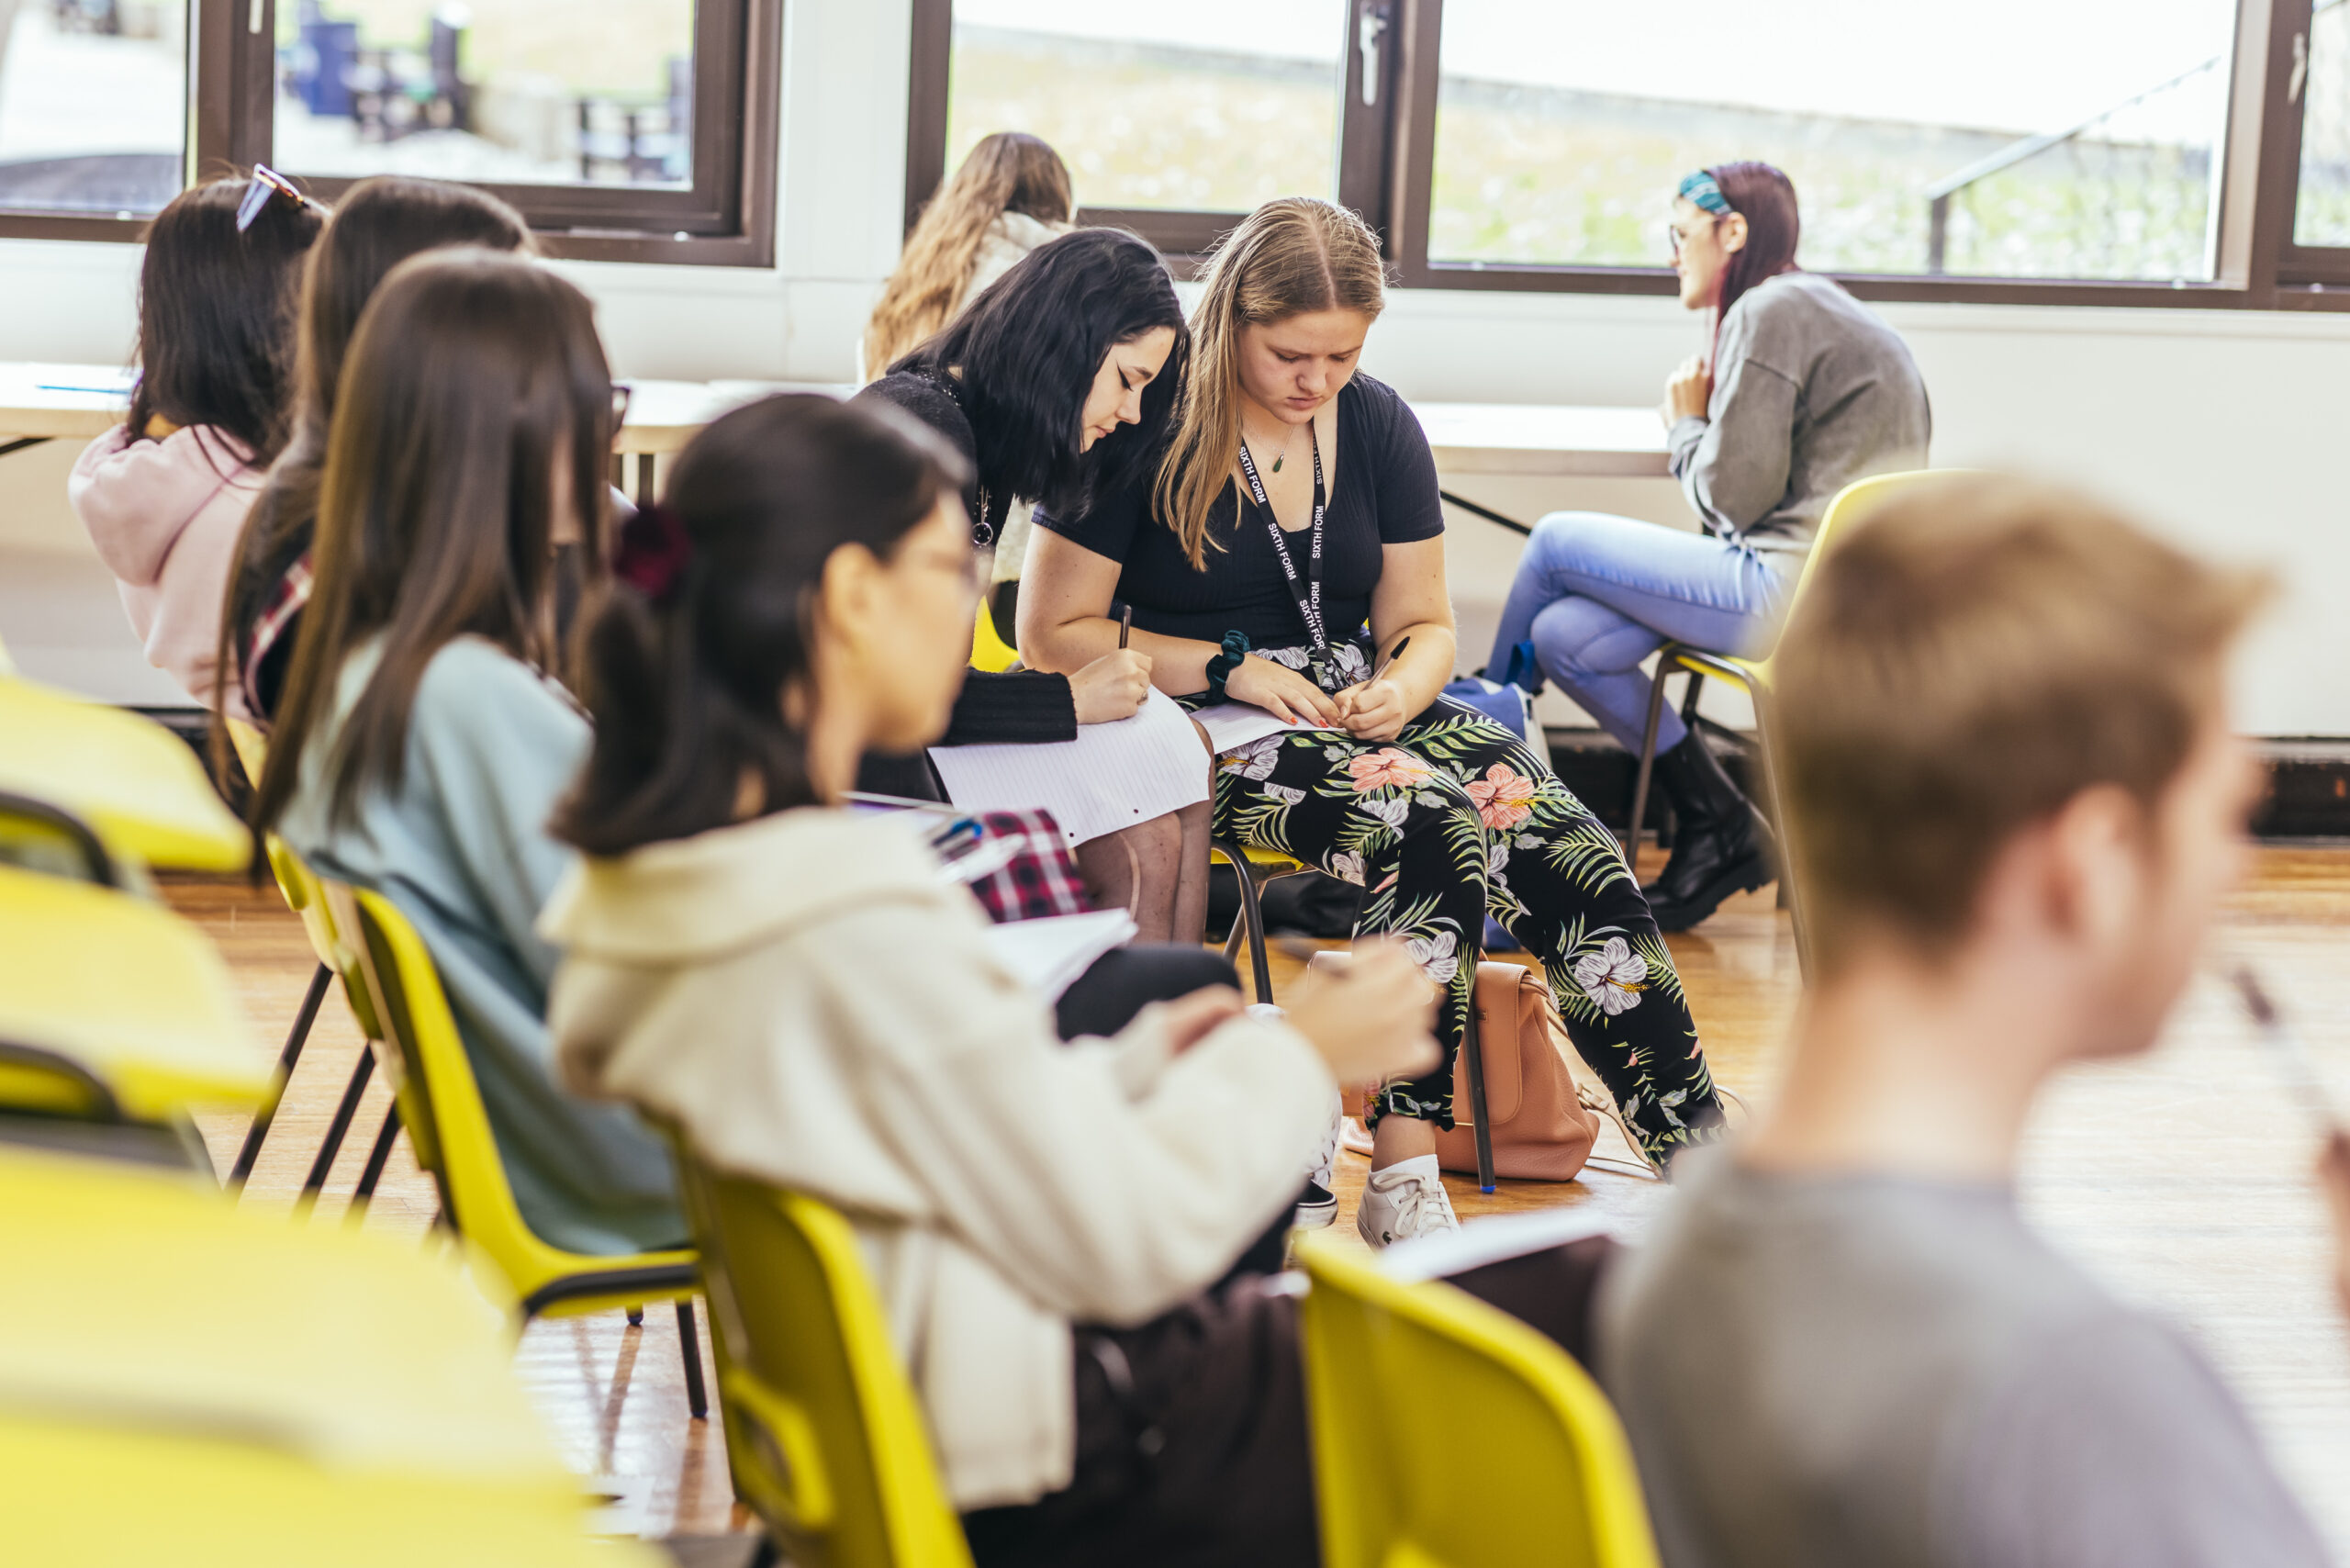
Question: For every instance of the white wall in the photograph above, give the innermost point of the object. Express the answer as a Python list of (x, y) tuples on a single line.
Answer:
[(2221, 426)]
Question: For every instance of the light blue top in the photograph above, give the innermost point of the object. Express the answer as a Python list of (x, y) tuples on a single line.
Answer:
[(462, 850)]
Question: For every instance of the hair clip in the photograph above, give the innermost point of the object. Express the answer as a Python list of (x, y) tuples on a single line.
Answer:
[(267, 183), (653, 553)]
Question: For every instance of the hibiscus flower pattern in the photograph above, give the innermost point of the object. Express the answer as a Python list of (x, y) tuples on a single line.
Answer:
[(1386, 769), (1455, 819), (1503, 797), (1256, 760), (1613, 978)]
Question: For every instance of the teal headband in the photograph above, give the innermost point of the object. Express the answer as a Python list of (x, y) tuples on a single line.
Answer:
[(1701, 189)]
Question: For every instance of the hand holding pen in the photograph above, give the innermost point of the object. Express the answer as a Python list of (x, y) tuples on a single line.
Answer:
[(1376, 709)]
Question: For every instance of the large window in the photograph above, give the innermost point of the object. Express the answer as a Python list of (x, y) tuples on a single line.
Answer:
[(1921, 137), (1173, 119), (624, 130), (2058, 151), (93, 105)]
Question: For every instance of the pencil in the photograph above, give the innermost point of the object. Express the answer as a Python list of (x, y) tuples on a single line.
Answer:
[(1125, 626)]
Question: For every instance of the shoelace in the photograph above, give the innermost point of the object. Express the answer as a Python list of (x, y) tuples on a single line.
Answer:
[(1408, 1207)]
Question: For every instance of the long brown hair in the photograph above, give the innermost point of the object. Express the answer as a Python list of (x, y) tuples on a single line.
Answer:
[(380, 224), (1765, 198), (1009, 172), (472, 373), (1289, 256), (215, 318)]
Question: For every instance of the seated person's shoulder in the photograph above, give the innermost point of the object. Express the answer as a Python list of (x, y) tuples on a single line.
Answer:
[(2107, 1436), (472, 687)]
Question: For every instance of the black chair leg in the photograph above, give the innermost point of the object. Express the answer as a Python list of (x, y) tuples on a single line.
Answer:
[(1472, 1044), (1641, 779), (377, 1157), (316, 1182), (294, 1039), (1252, 917), (636, 1317), (696, 1398)]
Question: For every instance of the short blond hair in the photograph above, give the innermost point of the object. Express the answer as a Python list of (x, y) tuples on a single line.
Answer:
[(1967, 658)]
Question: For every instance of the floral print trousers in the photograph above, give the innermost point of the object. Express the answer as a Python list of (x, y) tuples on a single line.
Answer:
[(1457, 818)]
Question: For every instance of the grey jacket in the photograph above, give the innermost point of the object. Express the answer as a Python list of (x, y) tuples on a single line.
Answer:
[(1811, 391), (462, 850)]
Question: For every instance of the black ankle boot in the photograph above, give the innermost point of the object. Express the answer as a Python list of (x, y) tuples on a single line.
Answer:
[(1720, 845)]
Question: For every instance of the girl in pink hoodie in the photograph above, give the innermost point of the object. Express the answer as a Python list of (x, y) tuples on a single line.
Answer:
[(165, 495)]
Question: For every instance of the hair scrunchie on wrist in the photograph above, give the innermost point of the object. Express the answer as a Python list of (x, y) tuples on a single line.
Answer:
[(1220, 668)]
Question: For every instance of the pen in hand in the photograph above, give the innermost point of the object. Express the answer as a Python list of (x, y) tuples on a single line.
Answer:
[(1389, 662), (1125, 626)]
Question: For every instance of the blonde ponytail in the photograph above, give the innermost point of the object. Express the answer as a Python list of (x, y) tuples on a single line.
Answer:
[(1009, 172)]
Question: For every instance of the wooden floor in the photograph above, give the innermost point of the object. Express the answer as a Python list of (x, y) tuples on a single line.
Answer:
[(2183, 1181)]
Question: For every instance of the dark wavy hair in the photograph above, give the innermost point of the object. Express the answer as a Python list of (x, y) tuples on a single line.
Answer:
[(472, 372), (686, 692), (215, 317), (1029, 348)]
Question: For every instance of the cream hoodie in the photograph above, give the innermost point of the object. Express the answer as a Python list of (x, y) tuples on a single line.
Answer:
[(166, 516), (814, 1005)]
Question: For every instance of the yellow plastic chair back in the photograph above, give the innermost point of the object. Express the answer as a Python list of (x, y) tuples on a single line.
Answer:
[(114, 1008), (1854, 500), (826, 1438), (989, 652), (179, 1383), (1447, 1434), (441, 1106), (140, 788)]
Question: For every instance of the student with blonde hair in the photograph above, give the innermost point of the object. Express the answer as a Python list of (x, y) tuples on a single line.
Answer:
[(1011, 195), (1284, 553), (2015, 800)]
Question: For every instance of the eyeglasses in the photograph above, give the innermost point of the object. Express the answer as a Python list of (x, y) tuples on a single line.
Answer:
[(267, 183), (1674, 238), (619, 407)]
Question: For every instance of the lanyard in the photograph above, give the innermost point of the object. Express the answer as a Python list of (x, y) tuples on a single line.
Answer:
[(1309, 595)]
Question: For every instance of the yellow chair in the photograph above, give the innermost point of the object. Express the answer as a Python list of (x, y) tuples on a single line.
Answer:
[(177, 1385), (140, 787), (989, 652), (302, 895), (827, 1439), (1521, 1460), (114, 1012), (1256, 868), (440, 1103), (1753, 678)]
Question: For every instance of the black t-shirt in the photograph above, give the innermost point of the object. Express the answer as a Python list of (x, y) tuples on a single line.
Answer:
[(1382, 491)]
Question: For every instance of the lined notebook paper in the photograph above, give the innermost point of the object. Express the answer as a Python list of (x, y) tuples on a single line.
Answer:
[(1112, 777), (1231, 725), (1049, 953)]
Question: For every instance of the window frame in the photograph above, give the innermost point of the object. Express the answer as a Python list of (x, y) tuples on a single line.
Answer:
[(1387, 166), (1184, 235), (726, 219)]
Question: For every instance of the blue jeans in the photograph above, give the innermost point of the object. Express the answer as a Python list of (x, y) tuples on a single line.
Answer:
[(1596, 595)]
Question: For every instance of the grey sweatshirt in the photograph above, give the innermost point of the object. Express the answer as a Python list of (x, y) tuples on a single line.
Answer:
[(1811, 391)]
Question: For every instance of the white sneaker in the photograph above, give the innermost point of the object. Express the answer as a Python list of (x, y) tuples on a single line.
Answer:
[(1404, 1202), (1321, 1169)]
